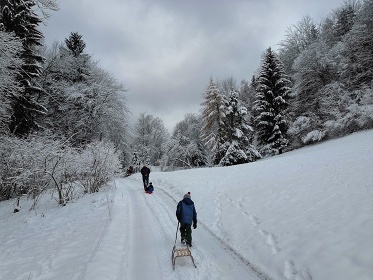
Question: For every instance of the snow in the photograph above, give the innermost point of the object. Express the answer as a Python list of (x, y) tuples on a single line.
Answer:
[(302, 215)]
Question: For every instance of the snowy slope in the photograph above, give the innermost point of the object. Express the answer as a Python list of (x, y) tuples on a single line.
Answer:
[(302, 215)]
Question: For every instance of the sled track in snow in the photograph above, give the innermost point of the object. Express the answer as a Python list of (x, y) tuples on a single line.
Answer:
[(254, 268), (161, 225), (96, 241), (164, 256)]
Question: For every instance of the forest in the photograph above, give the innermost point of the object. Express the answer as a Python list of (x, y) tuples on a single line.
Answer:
[(64, 120)]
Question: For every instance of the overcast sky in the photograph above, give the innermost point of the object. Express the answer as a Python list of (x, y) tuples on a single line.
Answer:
[(165, 51)]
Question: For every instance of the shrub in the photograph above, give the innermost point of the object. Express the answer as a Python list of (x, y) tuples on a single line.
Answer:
[(41, 162)]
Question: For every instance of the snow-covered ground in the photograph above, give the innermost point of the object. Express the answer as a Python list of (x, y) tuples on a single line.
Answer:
[(303, 215)]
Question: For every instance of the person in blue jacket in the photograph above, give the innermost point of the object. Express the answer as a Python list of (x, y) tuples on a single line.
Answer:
[(186, 215), (150, 188)]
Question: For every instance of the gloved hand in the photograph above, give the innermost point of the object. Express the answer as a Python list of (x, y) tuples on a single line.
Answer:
[(194, 226)]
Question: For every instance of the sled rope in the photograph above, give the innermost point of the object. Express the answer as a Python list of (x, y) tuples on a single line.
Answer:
[(180, 252), (177, 228)]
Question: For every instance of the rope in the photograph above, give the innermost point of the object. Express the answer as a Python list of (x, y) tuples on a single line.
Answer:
[(176, 232)]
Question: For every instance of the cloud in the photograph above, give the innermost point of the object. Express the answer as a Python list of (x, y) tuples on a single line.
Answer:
[(165, 51)]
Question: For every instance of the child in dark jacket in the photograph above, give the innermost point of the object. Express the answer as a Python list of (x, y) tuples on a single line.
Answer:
[(150, 188), (186, 215)]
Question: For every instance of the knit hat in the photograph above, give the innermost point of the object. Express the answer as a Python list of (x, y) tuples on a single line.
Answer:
[(187, 195)]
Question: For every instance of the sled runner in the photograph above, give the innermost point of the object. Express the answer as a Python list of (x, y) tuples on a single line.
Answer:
[(180, 252)]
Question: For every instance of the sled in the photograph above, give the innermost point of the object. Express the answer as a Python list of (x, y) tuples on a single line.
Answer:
[(180, 252)]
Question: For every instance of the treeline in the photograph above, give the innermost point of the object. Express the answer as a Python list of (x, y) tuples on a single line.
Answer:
[(316, 86), (63, 119)]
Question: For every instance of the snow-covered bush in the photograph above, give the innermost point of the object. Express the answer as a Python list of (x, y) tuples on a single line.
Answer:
[(313, 136), (24, 166), (358, 118), (31, 166), (357, 114), (334, 128), (299, 130), (233, 155), (100, 162), (335, 100), (364, 96), (300, 124)]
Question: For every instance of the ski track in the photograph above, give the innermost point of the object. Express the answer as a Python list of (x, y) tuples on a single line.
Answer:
[(213, 258), (133, 239), (95, 245)]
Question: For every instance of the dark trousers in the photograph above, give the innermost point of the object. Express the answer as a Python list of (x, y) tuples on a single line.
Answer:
[(186, 232), (145, 180)]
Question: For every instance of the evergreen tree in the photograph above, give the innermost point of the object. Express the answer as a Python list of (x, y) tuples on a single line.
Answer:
[(135, 159), (10, 46), (212, 116), (237, 148), (18, 17), (271, 104), (345, 18), (75, 44), (187, 134), (247, 93), (79, 60)]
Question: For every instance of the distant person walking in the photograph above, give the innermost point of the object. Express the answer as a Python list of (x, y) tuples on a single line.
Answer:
[(186, 215), (145, 172)]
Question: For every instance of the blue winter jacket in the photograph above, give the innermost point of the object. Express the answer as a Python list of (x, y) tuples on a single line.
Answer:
[(186, 212)]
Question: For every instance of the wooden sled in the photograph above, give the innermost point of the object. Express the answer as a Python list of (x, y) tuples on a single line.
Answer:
[(180, 252)]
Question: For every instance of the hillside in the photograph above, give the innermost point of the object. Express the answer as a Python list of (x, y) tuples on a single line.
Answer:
[(303, 215)]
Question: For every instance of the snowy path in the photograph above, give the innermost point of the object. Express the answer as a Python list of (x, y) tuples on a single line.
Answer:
[(148, 226), (121, 233)]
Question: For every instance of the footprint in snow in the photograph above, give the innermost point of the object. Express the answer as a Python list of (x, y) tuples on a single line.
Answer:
[(218, 211), (291, 273), (254, 220), (271, 241)]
